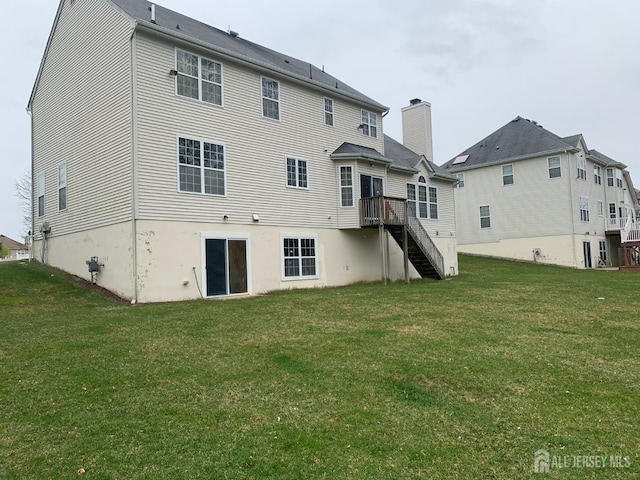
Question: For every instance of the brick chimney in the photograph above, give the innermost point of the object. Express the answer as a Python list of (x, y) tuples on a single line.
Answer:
[(416, 128)]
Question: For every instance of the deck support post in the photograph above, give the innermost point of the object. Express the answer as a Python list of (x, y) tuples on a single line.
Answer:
[(383, 256), (405, 249)]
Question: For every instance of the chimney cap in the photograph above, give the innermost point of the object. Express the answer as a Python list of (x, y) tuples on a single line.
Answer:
[(415, 101)]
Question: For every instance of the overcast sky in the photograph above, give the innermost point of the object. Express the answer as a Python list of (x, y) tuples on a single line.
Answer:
[(571, 65)]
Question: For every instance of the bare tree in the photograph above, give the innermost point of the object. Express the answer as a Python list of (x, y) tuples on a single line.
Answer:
[(23, 192)]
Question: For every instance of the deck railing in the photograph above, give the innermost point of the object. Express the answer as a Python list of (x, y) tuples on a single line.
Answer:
[(396, 211)]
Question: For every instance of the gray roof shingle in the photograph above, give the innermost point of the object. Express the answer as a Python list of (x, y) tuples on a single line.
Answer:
[(519, 138), (187, 28)]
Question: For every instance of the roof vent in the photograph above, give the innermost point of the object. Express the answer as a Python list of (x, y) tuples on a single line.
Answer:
[(233, 33), (153, 13), (415, 101)]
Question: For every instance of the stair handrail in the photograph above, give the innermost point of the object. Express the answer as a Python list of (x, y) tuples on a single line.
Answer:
[(424, 241)]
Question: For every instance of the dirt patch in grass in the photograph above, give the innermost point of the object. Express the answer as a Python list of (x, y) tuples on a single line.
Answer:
[(93, 286)]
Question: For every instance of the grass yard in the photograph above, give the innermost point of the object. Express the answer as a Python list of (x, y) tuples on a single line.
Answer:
[(465, 378)]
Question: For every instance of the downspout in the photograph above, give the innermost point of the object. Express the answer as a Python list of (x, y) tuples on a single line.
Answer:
[(573, 225), (134, 233), (32, 233)]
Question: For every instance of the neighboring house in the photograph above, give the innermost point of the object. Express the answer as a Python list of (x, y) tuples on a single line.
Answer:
[(19, 251), (186, 161), (526, 193)]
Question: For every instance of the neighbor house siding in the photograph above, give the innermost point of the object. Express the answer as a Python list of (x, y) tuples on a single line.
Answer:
[(81, 115), (533, 206), (255, 147)]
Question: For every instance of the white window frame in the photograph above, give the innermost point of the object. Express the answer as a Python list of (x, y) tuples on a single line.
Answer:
[(203, 255), (369, 123), (40, 184), (597, 174), (558, 167), (62, 185), (199, 77), (583, 206), (284, 237), (412, 199), (505, 176), (346, 188), (581, 164), (329, 117), (460, 177), (618, 178), (600, 207), (267, 98), (201, 167), (610, 176), (602, 250), (488, 207), (299, 164), (432, 204), (422, 201)]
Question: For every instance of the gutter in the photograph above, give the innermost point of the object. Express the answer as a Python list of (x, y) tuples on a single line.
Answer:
[(511, 159)]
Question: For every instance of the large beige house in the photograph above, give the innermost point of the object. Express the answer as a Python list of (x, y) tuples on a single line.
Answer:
[(183, 161), (526, 193)]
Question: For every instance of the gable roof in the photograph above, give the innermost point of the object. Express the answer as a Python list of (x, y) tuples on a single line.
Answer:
[(520, 138), (227, 45), (11, 244), (231, 44), (397, 157)]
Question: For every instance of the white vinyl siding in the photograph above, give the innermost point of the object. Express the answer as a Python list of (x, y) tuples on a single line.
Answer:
[(369, 124), (41, 192), (62, 186), (328, 111), (346, 186), (299, 257), (555, 167), (84, 94), (507, 175), (198, 78), (270, 98), (297, 173), (485, 216), (201, 167)]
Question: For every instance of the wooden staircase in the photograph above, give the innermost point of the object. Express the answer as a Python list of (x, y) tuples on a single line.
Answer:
[(396, 217)]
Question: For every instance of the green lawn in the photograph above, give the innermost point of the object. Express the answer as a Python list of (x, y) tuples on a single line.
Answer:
[(463, 378)]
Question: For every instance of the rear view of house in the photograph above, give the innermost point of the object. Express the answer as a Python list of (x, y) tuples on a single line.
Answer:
[(526, 193), (181, 161)]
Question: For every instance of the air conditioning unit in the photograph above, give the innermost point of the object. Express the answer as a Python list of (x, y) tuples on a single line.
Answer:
[(45, 228), (537, 252)]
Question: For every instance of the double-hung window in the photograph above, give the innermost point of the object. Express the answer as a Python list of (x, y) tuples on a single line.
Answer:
[(600, 208), (62, 186), (555, 169), (299, 258), (485, 216), (433, 203), (297, 173), (346, 186), (618, 178), (411, 197), (583, 203), (582, 168), (201, 167), (328, 111), (609, 177), (198, 78), (460, 177), (423, 199), (270, 98), (40, 186), (507, 175), (369, 124), (597, 174)]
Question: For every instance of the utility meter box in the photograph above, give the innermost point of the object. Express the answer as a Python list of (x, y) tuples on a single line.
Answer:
[(94, 266)]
